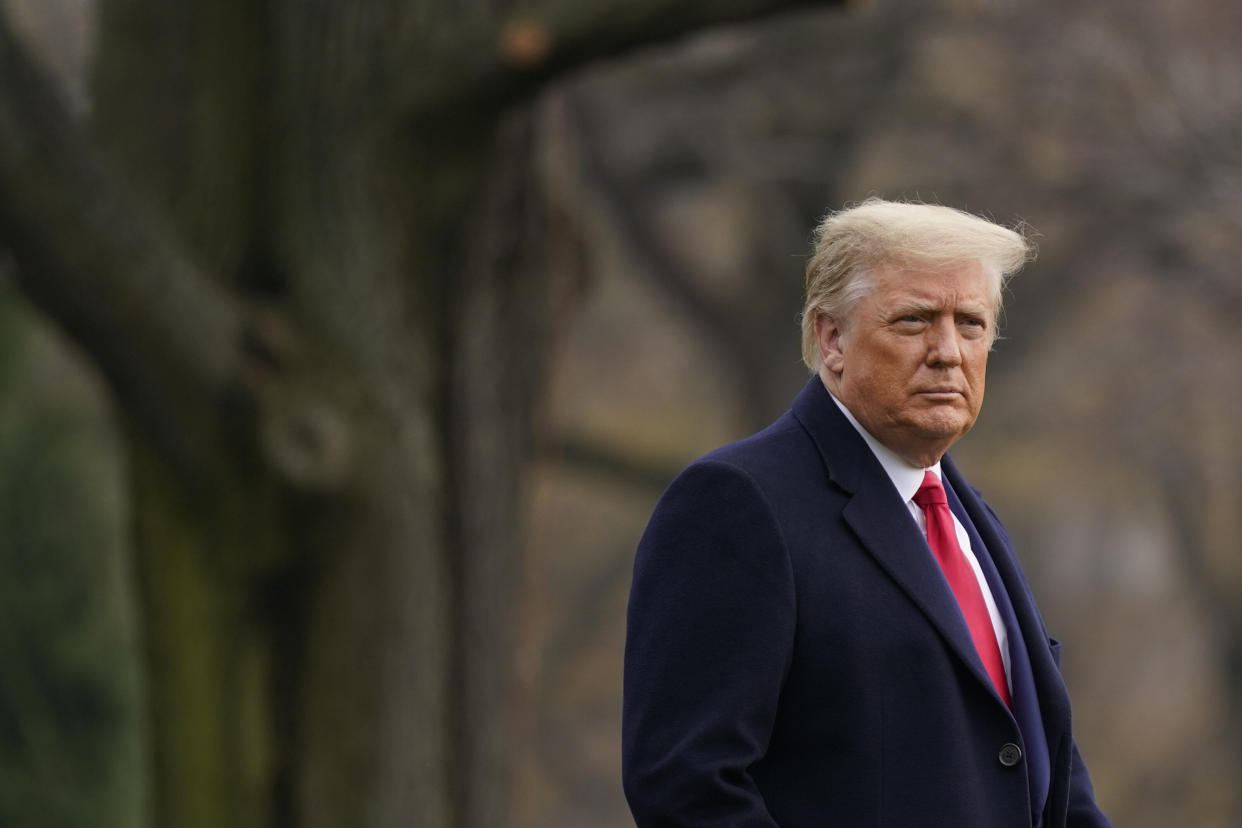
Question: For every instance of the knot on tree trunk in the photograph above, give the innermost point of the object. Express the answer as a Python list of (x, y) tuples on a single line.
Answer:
[(307, 440)]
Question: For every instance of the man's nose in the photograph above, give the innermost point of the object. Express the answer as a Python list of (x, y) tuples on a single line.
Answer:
[(943, 347)]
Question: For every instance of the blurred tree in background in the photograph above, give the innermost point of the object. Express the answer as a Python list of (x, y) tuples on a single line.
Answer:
[(307, 248), (324, 260), (69, 713)]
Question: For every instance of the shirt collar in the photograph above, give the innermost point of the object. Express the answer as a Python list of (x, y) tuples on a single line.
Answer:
[(906, 478)]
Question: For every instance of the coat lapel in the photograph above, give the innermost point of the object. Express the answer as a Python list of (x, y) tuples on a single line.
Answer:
[(1050, 689), (882, 522)]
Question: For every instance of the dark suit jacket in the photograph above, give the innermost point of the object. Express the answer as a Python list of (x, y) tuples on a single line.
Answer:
[(794, 656)]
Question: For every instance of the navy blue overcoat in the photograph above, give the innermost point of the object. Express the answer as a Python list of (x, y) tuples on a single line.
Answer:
[(794, 657)]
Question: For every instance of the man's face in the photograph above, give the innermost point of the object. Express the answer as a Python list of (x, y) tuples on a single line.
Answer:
[(910, 359)]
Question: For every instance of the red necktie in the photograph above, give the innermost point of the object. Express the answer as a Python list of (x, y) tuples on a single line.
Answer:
[(942, 537)]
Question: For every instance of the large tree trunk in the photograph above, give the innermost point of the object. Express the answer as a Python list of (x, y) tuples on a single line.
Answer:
[(300, 593)]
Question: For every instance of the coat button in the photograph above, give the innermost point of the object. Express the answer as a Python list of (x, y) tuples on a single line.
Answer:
[(1010, 755)]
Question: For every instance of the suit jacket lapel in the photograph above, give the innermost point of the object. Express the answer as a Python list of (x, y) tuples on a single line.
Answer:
[(882, 522), (1053, 700)]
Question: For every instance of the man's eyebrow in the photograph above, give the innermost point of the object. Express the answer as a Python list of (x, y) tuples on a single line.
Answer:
[(918, 306), (973, 309)]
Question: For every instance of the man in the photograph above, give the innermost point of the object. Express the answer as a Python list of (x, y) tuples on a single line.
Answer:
[(827, 625)]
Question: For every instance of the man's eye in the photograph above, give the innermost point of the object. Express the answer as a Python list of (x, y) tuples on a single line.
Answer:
[(973, 328)]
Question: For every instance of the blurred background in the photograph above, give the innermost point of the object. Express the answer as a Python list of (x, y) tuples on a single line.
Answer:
[(625, 297)]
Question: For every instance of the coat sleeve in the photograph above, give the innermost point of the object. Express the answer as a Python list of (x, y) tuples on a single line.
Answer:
[(1083, 812), (709, 639)]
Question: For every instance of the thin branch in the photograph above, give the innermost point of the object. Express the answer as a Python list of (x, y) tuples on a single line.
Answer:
[(594, 457), (108, 271), (718, 321), (483, 67)]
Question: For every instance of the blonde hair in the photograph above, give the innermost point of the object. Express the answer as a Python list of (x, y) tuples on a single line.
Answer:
[(851, 243)]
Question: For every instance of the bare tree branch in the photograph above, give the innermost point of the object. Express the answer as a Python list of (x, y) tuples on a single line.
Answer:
[(597, 457), (718, 321), (481, 68), (93, 258)]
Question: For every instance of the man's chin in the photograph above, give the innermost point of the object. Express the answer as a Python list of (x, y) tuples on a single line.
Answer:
[(944, 430)]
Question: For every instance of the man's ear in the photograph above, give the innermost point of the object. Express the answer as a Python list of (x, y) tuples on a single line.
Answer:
[(828, 336)]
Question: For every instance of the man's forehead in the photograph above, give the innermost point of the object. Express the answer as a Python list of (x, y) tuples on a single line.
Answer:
[(916, 293), (963, 286)]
